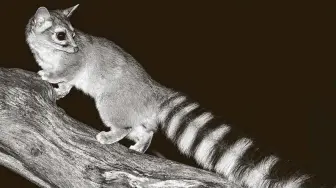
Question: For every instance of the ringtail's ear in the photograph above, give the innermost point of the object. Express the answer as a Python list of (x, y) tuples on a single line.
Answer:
[(42, 19), (68, 12)]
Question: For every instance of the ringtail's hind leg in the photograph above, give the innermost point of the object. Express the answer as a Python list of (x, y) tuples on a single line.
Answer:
[(114, 118), (112, 136), (120, 117), (142, 138)]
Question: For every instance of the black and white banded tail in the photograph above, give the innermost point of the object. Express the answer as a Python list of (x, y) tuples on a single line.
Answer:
[(223, 148)]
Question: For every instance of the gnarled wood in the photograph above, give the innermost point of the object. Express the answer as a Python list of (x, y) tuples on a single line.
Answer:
[(40, 142)]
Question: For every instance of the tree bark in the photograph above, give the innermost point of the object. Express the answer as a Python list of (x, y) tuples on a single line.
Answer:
[(40, 142)]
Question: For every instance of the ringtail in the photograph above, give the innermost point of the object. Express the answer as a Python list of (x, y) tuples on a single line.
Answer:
[(134, 106)]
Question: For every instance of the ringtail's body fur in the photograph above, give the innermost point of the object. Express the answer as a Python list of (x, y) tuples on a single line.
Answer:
[(135, 106)]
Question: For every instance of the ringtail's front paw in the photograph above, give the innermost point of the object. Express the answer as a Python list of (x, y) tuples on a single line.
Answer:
[(102, 138), (62, 90), (60, 93), (43, 74), (50, 77)]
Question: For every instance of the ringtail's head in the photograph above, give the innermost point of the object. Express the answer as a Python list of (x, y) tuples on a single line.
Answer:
[(52, 29)]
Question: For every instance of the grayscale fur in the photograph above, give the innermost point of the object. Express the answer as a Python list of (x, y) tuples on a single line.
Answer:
[(130, 102)]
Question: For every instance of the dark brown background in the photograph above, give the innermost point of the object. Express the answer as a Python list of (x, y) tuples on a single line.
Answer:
[(266, 67)]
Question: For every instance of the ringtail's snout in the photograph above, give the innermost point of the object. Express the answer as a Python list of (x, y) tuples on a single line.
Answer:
[(54, 30)]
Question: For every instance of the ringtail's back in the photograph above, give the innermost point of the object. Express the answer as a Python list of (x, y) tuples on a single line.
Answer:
[(135, 106)]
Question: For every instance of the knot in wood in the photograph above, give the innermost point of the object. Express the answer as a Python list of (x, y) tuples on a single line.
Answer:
[(36, 150)]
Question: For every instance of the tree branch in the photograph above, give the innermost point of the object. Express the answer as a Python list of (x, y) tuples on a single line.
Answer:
[(40, 142)]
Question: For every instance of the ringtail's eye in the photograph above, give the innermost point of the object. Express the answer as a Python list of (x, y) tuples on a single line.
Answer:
[(61, 35)]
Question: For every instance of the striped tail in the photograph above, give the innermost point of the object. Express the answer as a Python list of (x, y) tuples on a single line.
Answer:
[(220, 147)]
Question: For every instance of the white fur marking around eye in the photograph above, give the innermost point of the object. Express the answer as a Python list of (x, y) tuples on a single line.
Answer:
[(175, 122), (59, 29), (190, 133), (205, 149), (164, 112), (230, 158), (257, 176)]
